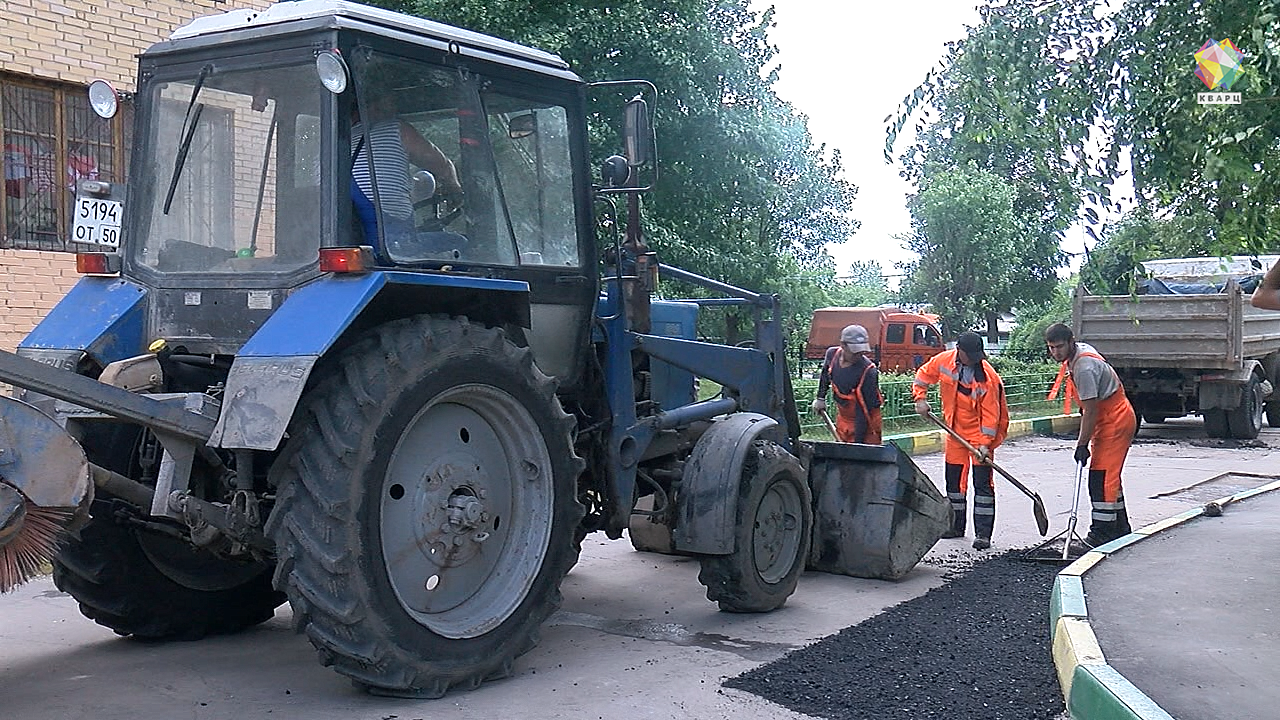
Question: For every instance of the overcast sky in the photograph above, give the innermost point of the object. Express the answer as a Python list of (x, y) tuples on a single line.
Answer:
[(847, 65)]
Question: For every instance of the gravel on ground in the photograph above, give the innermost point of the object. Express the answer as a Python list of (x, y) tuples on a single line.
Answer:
[(975, 648)]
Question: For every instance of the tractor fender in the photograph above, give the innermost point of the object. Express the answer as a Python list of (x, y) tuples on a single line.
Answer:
[(707, 504), (271, 371), (102, 317)]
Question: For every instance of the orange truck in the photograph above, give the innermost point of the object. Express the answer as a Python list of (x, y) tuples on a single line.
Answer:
[(900, 341)]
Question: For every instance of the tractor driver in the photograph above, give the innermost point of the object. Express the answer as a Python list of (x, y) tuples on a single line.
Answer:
[(395, 144)]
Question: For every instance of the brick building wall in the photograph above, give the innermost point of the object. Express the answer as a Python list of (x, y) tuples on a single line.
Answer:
[(75, 41)]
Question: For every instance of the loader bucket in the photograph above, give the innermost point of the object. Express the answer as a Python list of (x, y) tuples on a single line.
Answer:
[(875, 514)]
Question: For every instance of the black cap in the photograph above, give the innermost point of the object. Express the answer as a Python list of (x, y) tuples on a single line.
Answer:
[(971, 344)]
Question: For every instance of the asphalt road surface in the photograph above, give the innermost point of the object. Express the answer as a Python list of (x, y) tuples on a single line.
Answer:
[(636, 637)]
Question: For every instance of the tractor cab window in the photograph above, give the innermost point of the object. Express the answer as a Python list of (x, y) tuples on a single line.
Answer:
[(446, 169), (232, 172)]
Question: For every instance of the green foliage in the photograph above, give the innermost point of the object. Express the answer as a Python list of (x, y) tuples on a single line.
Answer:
[(965, 234), (1026, 342), (864, 286), (1138, 237), (1037, 87)]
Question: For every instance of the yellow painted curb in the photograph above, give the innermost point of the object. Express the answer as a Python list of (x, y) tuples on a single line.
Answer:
[(1074, 644)]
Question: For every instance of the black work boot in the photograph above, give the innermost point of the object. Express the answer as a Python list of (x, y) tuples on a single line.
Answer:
[(981, 543)]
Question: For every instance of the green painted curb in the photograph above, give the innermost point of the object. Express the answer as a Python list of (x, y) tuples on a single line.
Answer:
[(1098, 692)]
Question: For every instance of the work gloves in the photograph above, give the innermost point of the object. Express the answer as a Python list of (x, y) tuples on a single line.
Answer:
[(1082, 454), (922, 408), (819, 406)]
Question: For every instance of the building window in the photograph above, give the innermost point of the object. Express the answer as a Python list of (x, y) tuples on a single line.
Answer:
[(52, 139)]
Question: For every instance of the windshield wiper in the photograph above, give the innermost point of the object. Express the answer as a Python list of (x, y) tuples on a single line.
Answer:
[(189, 123)]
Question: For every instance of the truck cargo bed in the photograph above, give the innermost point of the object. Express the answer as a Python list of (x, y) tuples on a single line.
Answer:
[(1210, 331)]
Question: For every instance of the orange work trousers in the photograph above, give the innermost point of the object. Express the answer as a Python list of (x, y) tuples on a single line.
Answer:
[(846, 428), (1108, 448)]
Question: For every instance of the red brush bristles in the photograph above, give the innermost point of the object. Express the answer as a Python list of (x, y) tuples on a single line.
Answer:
[(37, 541)]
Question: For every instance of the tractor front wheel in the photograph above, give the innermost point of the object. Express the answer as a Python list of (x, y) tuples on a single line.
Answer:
[(772, 533), (150, 586)]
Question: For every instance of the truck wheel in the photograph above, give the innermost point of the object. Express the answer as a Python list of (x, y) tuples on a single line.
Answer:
[(773, 528), (1245, 421), (1215, 423), (157, 588), (426, 510), (149, 586)]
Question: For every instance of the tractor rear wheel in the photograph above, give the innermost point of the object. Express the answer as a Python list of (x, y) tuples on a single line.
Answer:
[(426, 509), (773, 528), (149, 586)]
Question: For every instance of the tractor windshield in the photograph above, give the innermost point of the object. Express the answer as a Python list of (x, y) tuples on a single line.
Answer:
[(232, 172)]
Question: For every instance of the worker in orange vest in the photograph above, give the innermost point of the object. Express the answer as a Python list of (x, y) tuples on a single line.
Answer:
[(975, 407), (1107, 424), (855, 382)]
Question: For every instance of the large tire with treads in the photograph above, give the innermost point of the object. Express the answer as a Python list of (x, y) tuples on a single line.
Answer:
[(150, 586), (157, 588), (1245, 420), (434, 438), (772, 531)]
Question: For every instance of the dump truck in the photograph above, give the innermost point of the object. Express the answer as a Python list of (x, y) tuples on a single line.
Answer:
[(1187, 341), (901, 341), (266, 387)]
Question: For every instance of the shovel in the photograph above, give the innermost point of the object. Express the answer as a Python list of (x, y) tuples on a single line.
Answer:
[(826, 419), (1037, 505)]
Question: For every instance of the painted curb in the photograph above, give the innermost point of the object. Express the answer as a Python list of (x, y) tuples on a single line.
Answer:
[(931, 441), (1094, 690)]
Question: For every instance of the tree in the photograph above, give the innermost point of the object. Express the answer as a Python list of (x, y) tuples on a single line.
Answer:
[(745, 195), (965, 232), (864, 285), (1110, 267), (1064, 88)]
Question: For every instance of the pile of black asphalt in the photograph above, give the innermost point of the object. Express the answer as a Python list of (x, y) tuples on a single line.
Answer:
[(976, 647)]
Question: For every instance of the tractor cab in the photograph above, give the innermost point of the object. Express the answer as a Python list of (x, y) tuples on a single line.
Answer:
[(272, 148)]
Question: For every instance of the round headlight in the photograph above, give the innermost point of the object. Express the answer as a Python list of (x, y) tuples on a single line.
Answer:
[(332, 70), (102, 98)]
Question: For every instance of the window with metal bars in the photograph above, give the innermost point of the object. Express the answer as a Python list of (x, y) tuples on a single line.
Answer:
[(51, 140)]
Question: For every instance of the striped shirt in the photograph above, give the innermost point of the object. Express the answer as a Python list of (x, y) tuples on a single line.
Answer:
[(391, 167)]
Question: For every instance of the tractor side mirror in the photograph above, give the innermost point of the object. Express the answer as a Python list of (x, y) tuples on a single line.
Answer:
[(522, 126), (638, 132)]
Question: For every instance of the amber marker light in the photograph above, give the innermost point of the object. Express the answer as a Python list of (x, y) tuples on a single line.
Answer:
[(346, 259), (96, 263)]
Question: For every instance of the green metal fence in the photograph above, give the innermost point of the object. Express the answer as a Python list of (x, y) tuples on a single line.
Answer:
[(1025, 389)]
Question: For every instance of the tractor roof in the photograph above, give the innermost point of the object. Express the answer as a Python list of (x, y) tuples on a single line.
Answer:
[(300, 14)]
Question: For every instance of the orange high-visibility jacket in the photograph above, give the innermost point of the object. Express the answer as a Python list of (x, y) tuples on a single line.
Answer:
[(982, 415)]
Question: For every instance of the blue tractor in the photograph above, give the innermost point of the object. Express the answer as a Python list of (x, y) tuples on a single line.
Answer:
[(361, 332)]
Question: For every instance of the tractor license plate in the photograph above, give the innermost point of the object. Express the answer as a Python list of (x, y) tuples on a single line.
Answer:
[(97, 222)]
